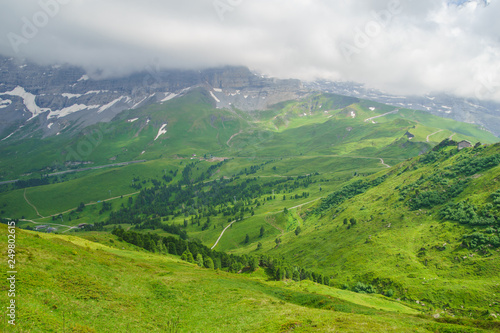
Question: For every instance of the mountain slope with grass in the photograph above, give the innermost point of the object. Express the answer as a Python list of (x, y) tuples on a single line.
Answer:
[(426, 228), (75, 284), (192, 125)]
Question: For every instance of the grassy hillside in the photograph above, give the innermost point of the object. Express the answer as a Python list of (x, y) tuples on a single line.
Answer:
[(427, 228), (318, 125), (72, 284)]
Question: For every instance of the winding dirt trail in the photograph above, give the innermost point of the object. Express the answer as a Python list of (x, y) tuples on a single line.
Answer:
[(95, 203), (384, 164), (222, 233), (33, 206), (232, 137), (429, 136), (382, 115), (263, 214)]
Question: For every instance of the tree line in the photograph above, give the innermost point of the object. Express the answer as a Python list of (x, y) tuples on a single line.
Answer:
[(197, 253)]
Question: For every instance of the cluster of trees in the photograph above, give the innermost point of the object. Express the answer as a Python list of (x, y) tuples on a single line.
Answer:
[(437, 154), (188, 250), (347, 192), (31, 182), (153, 224), (480, 240), (437, 189), (80, 207), (362, 288), (465, 212), (106, 206), (210, 171), (439, 196), (473, 164), (228, 197), (487, 214), (253, 169), (350, 223), (281, 270), (445, 143), (195, 252)]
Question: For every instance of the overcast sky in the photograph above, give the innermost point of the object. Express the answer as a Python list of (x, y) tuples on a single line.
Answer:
[(400, 46)]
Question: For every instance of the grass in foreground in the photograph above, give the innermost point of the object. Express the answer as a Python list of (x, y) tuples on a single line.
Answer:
[(71, 284)]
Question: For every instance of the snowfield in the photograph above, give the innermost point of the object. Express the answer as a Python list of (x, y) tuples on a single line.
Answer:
[(161, 131), (169, 96), (71, 109), (28, 100)]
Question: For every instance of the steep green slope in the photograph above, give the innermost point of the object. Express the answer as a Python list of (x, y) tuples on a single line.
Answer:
[(71, 284), (427, 228), (336, 125)]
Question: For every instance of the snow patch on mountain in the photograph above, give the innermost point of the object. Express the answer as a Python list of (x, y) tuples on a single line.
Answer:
[(71, 109), (69, 96), (161, 131), (83, 78), (132, 120), (96, 92), (11, 134), (139, 103), (110, 104), (28, 100), (5, 103), (215, 97), (169, 96)]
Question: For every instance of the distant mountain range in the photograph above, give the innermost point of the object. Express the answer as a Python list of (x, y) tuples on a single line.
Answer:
[(474, 111), (43, 101)]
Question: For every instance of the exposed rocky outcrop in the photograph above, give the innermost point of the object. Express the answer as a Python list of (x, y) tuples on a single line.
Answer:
[(51, 98)]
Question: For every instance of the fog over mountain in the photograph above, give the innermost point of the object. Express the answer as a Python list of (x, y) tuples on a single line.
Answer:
[(399, 46)]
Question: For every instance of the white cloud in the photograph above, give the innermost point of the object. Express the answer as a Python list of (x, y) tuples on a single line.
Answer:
[(412, 46)]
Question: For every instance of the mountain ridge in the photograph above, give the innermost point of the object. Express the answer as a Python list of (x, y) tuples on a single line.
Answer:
[(50, 98), (54, 98)]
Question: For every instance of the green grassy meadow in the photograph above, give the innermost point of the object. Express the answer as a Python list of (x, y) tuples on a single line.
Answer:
[(318, 183), (109, 286)]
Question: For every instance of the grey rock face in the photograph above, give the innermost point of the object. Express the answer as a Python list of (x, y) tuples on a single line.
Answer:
[(46, 100), (51, 98)]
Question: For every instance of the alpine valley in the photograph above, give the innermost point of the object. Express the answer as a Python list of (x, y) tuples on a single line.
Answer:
[(221, 200)]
